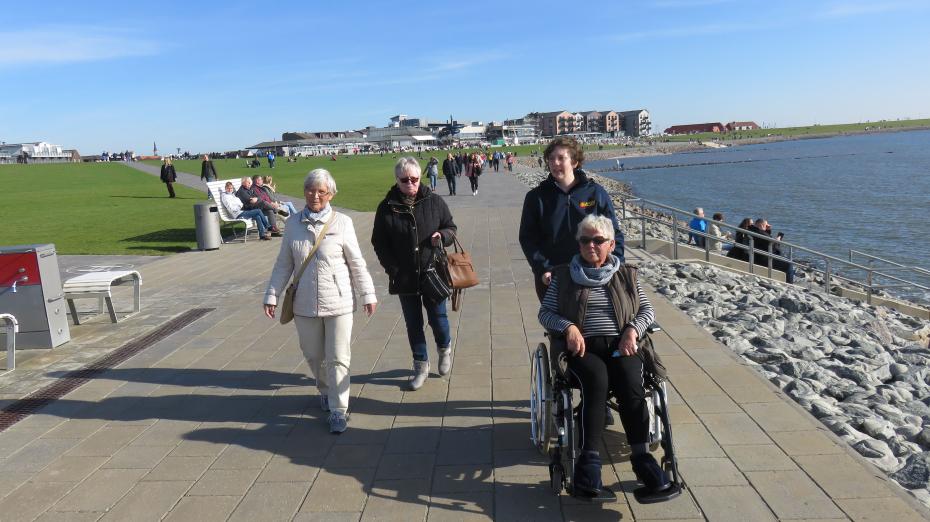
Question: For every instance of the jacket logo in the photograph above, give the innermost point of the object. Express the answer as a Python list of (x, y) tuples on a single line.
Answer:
[(586, 204)]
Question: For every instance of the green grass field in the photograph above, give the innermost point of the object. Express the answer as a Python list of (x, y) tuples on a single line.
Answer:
[(800, 132), (96, 208)]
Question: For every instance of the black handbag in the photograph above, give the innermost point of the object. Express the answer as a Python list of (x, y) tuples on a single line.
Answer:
[(435, 283)]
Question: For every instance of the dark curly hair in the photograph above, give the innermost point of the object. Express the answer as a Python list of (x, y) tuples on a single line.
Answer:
[(574, 149)]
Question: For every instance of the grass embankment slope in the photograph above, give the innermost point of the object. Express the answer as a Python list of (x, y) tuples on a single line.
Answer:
[(96, 208), (362, 180), (806, 132)]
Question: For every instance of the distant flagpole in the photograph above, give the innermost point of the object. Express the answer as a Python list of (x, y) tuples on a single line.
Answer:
[(154, 149)]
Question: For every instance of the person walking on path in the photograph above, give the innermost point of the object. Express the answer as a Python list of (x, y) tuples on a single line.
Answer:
[(168, 176), (450, 170), (207, 171), (432, 171), (270, 160), (410, 225), (553, 209), (473, 172), (326, 289)]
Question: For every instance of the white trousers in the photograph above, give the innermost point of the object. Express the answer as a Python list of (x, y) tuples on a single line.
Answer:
[(325, 343)]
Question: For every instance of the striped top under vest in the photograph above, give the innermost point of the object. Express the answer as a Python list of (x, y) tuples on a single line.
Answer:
[(599, 318)]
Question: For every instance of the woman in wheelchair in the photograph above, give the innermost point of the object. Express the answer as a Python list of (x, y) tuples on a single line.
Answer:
[(595, 310)]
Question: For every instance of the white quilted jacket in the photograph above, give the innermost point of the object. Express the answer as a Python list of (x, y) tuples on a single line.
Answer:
[(333, 277)]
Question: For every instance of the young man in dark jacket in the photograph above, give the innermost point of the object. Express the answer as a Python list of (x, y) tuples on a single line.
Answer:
[(553, 210), (410, 224)]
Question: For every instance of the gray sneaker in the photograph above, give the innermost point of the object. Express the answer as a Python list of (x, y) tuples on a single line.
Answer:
[(420, 374), (324, 402), (445, 361), (338, 422)]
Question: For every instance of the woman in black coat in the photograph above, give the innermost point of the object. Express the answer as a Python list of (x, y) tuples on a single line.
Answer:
[(410, 225), (168, 176)]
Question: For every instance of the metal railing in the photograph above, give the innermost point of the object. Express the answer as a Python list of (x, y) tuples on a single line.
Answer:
[(870, 275)]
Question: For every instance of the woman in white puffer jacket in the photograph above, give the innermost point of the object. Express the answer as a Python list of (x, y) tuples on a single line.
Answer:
[(326, 292)]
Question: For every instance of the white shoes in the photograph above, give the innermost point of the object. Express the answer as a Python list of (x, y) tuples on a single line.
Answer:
[(420, 374), (445, 361)]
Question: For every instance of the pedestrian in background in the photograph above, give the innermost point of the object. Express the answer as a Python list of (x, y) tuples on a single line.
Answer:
[(168, 176)]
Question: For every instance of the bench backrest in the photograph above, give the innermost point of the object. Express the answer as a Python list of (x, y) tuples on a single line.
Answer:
[(217, 188)]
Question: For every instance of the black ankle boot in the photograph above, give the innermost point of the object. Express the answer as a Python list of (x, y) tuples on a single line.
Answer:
[(649, 472), (588, 473)]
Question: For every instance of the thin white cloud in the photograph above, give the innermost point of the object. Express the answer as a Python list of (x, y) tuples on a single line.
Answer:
[(859, 8), (467, 62), (69, 44)]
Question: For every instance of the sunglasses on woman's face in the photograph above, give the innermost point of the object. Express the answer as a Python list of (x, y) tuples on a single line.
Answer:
[(597, 240), (409, 179)]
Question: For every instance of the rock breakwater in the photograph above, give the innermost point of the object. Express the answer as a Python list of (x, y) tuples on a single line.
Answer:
[(864, 371)]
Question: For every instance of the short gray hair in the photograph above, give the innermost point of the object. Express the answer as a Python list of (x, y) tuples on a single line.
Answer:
[(318, 177), (602, 224), (405, 163)]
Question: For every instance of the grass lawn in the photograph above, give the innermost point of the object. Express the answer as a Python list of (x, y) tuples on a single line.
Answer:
[(362, 180), (96, 208), (799, 132)]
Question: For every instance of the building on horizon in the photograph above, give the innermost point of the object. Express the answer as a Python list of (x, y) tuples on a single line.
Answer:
[(635, 123), (606, 122), (555, 123), (696, 128), (34, 152), (741, 126), (398, 137)]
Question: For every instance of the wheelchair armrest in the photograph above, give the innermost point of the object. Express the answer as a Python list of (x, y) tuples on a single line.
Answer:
[(653, 328)]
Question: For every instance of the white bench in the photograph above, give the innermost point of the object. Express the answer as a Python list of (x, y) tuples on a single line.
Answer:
[(99, 284), (10, 327), (217, 188)]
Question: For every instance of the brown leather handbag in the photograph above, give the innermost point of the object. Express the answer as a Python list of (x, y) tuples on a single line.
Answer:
[(461, 271)]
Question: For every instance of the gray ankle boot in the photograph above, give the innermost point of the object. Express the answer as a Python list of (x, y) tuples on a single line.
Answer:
[(445, 361), (420, 374)]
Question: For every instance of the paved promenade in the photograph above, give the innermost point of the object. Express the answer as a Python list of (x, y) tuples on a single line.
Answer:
[(219, 420)]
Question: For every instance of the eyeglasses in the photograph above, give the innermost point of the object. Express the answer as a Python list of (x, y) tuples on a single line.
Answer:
[(317, 193), (409, 179), (598, 240)]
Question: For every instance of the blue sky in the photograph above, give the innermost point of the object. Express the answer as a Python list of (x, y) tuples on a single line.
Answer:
[(224, 75)]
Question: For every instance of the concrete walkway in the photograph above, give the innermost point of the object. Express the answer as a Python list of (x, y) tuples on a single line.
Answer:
[(220, 420)]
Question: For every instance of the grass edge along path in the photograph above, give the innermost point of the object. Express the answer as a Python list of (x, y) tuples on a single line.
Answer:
[(96, 208)]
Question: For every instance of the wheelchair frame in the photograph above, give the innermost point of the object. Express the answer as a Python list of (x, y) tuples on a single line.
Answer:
[(554, 432)]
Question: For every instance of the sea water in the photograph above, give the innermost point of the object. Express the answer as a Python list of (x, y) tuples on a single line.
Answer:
[(867, 192)]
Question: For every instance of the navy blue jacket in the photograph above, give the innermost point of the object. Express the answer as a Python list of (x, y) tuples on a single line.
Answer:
[(550, 220)]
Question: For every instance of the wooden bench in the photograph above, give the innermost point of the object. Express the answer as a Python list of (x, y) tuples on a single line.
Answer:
[(9, 326), (217, 188), (99, 284)]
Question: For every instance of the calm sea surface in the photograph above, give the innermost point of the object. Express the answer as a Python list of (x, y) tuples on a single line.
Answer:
[(869, 192)]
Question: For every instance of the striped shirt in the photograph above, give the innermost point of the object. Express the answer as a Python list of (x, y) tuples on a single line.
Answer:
[(599, 318)]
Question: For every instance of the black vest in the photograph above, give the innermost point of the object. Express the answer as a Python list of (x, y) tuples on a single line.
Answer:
[(573, 298)]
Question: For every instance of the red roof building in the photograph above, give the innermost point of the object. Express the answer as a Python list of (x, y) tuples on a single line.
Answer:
[(741, 125), (695, 128)]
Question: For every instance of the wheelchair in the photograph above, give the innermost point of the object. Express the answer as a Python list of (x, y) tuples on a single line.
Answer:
[(554, 423)]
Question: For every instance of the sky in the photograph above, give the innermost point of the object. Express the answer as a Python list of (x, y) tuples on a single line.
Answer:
[(214, 76)]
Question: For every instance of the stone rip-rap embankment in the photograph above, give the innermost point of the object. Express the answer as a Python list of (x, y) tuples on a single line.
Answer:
[(864, 371)]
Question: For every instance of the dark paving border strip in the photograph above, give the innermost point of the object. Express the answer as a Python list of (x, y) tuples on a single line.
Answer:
[(72, 380)]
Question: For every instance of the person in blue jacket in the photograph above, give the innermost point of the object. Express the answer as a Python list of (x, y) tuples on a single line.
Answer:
[(553, 209)]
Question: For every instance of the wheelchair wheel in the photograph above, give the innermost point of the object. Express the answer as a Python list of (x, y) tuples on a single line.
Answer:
[(541, 400), (654, 405)]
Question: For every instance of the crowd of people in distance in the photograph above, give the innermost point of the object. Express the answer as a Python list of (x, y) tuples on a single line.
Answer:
[(704, 234)]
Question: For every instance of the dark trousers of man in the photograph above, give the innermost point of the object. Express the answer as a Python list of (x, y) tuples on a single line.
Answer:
[(451, 181), (170, 189), (474, 182), (599, 371)]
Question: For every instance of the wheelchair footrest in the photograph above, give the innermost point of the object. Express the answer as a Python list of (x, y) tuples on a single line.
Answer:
[(604, 494), (645, 495)]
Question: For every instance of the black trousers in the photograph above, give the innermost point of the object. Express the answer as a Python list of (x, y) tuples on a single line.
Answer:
[(599, 371), (170, 189), (474, 183), (450, 179)]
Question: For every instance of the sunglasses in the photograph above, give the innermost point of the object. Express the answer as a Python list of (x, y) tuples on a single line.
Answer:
[(585, 240), (410, 180)]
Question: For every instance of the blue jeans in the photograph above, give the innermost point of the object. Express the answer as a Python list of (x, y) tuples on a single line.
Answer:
[(291, 209), (259, 217), (412, 306), (432, 181)]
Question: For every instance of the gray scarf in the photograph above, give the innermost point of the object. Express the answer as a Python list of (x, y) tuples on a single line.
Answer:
[(586, 275)]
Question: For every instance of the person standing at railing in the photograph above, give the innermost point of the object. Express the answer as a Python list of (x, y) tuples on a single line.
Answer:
[(698, 224), (717, 237)]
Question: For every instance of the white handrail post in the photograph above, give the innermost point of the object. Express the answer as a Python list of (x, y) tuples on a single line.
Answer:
[(826, 275)]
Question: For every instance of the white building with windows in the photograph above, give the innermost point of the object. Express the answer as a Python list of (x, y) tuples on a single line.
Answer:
[(37, 152)]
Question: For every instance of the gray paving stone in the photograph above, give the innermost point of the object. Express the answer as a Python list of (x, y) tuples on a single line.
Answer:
[(400, 500), (100, 491), (148, 501), (271, 501), (32, 498), (203, 509)]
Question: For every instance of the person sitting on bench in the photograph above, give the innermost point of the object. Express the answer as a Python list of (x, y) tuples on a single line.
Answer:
[(251, 199), (233, 205), (581, 307)]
